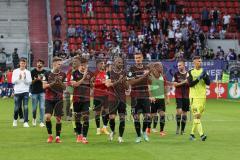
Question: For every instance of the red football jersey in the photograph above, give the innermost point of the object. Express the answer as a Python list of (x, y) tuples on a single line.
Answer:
[(100, 89)]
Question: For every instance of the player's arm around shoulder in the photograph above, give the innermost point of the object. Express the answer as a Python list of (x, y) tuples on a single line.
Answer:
[(190, 80)]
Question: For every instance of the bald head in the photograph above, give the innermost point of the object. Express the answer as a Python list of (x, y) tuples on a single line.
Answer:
[(118, 63)]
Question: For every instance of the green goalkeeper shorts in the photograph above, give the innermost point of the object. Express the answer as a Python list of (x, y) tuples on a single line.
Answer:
[(197, 105)]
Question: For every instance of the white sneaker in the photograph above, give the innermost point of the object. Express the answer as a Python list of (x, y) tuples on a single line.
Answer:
[(111, 135), (34, 122), (154, 130), (120, 140), (25, 125), (42, 124), (21, 120), (98, 131), (14, 123)]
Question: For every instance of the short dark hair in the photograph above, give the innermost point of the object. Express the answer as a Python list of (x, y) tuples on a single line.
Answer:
[(83, 60), (181, 60), (22, 59), (196, 57), (99, 60), (56, 59), (40, 60), (138, 53)]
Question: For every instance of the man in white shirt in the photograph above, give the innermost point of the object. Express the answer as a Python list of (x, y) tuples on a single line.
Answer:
[(21, 78), (188, 19), (171, 35), (178, 35), (175, 23), (226, 21)]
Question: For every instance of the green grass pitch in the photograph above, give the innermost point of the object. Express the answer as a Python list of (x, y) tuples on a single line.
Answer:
[(221, 123)]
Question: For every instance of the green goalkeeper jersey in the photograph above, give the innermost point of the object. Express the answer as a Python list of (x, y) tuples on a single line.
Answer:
[(157, 87), (199, 89)]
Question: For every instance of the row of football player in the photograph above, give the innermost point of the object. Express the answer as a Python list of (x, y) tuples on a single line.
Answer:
[(148, 94)]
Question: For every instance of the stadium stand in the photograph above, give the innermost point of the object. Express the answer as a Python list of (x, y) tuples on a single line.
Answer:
[(14, 26)]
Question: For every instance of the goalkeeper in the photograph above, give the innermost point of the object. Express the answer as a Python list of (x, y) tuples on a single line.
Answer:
[(198, 79)]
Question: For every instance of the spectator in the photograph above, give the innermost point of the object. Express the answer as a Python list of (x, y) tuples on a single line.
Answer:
[(31, 56), (231, 56), (15, 58), (93, 38), (153, 13), (164, 5), (116, 6), (1, 83), (57, 44), (215, 16), (118, 37), (154, 26), (79, 31), (38, 75), (171, 35), (131, 51), (3, 59), (164, 25), (57, 20), (212, 31), (237, 20), (84, 6), (219, 54), (63, 55), (188, 19), (178, 35), (90, 9), (21, 78), (157, 4), (172, 6), (9, 82), (108, 40), (136, 16), (128, 16), (205, 17), (145, 29), (226, 21), (132, 36), (175, 23), (107, 1), (71, 31), (222, 33), (148, 7), (65, 46), (202, 39)]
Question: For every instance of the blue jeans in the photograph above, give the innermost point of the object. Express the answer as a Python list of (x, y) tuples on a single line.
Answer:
[(18, 99), (58, 31), (38, 98)]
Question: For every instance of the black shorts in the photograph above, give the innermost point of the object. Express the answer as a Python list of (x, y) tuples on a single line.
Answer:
[(54, 106), (81, 107), (100, 103), (140, 105), (117, 107), (158, 106), (183, 103)]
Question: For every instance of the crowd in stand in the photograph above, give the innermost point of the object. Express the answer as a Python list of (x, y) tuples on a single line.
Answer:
[(157, 37)]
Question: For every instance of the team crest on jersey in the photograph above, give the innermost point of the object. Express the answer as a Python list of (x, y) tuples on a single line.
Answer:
[(88, 76)]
